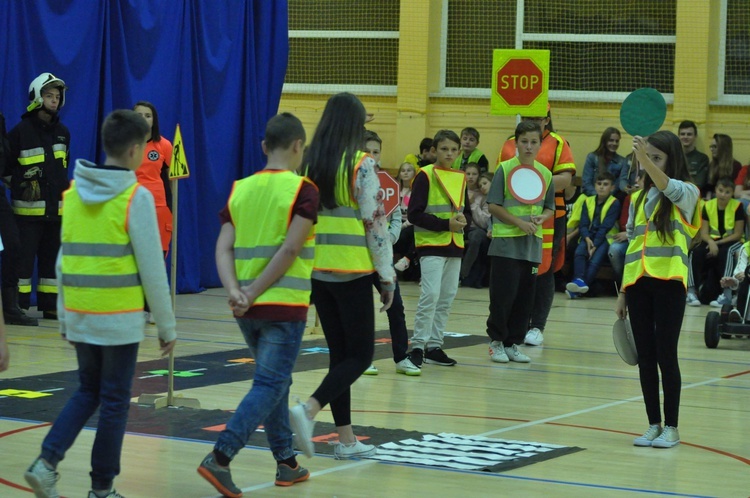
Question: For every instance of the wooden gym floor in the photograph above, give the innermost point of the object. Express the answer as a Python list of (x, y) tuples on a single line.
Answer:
[(575, 393)]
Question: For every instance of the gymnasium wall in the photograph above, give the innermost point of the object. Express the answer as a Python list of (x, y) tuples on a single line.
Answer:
[(707, 34)]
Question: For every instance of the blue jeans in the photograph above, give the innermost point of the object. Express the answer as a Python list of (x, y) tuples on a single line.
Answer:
[(106, 377), (275, 346), (585, 268)]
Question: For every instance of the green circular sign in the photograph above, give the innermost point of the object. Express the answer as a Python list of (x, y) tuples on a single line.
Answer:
[(643, 112)]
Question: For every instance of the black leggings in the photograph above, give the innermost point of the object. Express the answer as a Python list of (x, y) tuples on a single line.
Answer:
[(656, 308), (347, 314)]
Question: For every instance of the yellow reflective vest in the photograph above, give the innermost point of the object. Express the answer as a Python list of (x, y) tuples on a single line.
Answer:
[(516, 207), (261, 209), (444, 199), (650, 256), (590, 203), (474, 157), (340, 244), (712, 210), (99, 271)]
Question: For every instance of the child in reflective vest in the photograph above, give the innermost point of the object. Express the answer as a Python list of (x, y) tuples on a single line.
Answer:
[(521, 199), (264, 257), (663, 219), (108, 261), (439, 211), (598, 225)]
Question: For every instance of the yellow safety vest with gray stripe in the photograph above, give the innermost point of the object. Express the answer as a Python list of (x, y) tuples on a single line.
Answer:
[(648, 255), (99, 270), (439, 205), (712, 210), (340, 244), (518, 208), (261, 210), (590, 204)]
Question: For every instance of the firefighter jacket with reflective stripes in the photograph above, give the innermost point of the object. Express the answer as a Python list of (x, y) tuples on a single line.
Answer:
[(38, 166)]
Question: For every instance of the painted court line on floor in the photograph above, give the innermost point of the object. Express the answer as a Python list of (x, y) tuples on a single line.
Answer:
[(586, 410), (271, 484)]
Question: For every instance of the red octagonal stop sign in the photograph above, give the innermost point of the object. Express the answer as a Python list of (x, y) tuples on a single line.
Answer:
[(520, 82), (389, 188)]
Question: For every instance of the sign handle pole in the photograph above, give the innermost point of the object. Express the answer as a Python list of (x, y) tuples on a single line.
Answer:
[(173, 283)]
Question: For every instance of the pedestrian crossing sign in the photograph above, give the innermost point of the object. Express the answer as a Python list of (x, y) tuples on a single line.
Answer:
[(179, 167)]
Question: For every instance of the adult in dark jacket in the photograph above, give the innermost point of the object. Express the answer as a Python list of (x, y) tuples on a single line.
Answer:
[(38, 169), (12, 245)]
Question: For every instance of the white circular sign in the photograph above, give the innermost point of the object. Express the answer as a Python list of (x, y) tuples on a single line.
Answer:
[(526, 184)]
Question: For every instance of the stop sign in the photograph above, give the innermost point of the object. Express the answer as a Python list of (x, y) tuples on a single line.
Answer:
[(520, 82), (390, 190)]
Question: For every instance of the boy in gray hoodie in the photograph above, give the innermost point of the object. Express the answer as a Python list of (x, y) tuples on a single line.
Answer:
[(109, 259)]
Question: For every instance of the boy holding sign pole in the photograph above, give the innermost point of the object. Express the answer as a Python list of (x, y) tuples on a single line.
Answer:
[(521, 199), (439, 213)]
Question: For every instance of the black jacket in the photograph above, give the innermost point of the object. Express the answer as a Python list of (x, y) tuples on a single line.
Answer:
[(38, 165)]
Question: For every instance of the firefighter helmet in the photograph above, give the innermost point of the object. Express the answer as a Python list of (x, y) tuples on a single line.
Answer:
[(35, 90)]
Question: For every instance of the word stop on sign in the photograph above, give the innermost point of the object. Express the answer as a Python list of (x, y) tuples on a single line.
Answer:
[(518, 81)]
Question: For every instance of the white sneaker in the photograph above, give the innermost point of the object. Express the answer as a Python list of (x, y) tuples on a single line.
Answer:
[(371, 370), (534, 337), (42, 479), (720, 301), (648, 437), (355, 450), (303, 429), (692, 299), (402, 264), (668, 438), (497, 352), (406, 367), (515, 355)]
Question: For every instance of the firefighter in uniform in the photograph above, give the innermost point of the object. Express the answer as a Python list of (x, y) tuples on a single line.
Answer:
[(38, 169)]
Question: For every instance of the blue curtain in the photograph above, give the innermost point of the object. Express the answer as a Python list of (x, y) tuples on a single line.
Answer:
[(216, 67)]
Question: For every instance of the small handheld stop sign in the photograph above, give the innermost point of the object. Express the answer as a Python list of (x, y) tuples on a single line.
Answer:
[(526, 184), (390, 189)]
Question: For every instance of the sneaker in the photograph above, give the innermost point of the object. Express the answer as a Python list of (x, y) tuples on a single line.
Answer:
[(355, 450), (219, 477), (406, 367), (42, 480), (497, 352), (735, 317), (286, 476), (371, 370), (692, 299), (668, 438), (303, 429), (436, 356), (648, 437), (577, 285), (112, 494), (720, 301), (572, 295), (150, 318), (534, 337), (417, 357), (515, 355), (402, 264)]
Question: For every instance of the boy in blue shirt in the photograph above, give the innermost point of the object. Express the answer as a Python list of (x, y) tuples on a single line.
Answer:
[(599, 216)]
